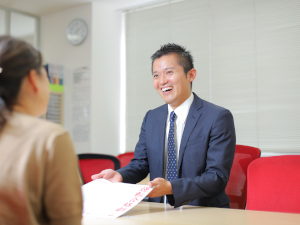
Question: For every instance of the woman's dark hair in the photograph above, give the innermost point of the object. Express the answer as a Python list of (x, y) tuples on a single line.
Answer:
[(17, 58)]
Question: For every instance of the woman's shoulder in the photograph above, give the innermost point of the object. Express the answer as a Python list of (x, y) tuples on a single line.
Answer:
[(35, 126)]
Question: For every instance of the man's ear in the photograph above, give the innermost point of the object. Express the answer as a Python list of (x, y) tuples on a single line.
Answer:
[(33, 79), (192, 75)]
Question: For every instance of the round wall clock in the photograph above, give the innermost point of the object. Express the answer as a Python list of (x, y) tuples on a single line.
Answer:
[(77, 31)]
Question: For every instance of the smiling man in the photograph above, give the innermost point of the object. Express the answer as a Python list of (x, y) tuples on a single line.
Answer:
[(187, 145)]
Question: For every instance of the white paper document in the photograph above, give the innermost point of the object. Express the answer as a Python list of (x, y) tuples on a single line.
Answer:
[(111, 200)]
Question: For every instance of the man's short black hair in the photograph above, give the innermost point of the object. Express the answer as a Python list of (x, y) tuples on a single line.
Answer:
[(185, 59)]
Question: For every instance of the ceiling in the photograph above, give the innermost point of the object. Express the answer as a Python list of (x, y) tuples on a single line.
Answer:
[(43, 7)]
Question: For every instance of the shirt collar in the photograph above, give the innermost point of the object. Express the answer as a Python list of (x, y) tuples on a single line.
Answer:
[(182, 110)]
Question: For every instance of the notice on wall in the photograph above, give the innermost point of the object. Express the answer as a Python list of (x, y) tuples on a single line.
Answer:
[(81, 105)]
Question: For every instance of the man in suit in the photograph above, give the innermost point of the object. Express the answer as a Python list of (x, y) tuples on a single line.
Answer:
[(187, 145)]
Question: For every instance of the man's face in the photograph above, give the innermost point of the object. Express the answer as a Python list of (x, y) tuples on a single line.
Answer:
[(170, 80)]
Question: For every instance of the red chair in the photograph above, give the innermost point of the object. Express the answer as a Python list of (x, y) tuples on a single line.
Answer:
[(125, 158), (274, 184), (236, 188), (91, 164)]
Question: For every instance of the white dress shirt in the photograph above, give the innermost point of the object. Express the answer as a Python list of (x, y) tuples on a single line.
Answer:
[(180, 119)]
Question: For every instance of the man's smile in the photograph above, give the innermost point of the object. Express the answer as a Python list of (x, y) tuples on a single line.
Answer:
[(166, 89)]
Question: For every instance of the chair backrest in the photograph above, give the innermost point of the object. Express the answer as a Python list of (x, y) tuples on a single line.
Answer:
[(91, 164), (236, 188), (125, 158), (274, 184)]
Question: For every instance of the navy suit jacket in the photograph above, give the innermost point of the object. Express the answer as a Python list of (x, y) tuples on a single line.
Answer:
[(205, 156)]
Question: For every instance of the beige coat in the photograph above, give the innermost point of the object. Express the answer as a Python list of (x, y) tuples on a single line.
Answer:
[(39, 182)]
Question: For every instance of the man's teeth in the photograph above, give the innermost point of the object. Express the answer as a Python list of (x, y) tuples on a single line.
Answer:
[(166, 89)]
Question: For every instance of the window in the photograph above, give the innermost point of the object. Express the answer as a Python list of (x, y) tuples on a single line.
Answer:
[(19, 25), (246, 55), (23, 27), (2, 22)]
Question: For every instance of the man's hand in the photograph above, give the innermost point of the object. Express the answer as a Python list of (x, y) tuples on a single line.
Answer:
[(110, 175), (162, 187)]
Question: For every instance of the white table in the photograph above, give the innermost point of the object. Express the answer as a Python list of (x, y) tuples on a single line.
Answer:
[(157, 213)]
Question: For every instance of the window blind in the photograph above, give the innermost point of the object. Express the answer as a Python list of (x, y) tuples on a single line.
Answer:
[(246, 55)]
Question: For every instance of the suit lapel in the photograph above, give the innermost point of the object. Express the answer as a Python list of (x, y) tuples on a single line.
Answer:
[(161, 137), (191, 121)]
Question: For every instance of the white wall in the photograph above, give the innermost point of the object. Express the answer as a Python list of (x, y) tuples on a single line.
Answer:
[(106, 73), (57, 50), (101, 52), (106, 28)]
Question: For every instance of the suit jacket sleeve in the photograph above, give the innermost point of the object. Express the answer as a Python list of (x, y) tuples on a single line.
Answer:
[(220, 152), (138, 168)]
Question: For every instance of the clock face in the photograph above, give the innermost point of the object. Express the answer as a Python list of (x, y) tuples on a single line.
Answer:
[(77, 31)]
